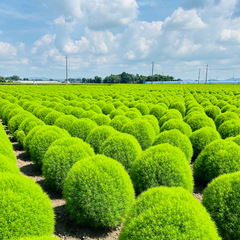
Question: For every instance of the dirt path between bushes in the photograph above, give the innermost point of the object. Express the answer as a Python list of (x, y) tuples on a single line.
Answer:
[(64, 227)]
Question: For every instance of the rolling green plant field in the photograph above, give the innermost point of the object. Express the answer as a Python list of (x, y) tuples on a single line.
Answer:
[(105, 148)]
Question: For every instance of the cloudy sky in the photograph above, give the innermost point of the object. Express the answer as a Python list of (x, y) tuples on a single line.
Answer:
[(103, 37)]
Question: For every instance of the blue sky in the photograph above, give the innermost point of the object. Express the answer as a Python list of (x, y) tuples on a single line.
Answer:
[(103, 37)]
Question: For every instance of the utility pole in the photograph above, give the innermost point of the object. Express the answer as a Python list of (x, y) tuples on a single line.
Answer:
[(199, 73), (206, 74), (66, 71), (152, 71)]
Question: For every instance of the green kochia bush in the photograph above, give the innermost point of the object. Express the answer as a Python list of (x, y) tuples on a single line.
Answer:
[(170, 114), (122, 147), (177, 124), (177, 139), (202, 137), (168, 213), (217, 158), (229, 128), (82, 127), (220, 119), (60, 157), (98, 192), (142, 130), (98, 135), (7, 165), (39, 238), (201, 120), (42, 139), (221, 199), (158, 111), (65, 122), (153, 121), (52, 117), (212, 111), (101, 119), (164, 165), (179, 106), (119, 121), (25, 210)]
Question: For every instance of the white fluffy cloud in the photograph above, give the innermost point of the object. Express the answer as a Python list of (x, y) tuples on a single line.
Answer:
[(7, 49)]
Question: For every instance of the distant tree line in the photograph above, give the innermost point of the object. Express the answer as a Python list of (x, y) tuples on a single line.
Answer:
[(124, 78), (119, 78)]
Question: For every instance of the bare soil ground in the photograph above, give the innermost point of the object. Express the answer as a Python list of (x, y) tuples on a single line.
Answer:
[(64, 227)]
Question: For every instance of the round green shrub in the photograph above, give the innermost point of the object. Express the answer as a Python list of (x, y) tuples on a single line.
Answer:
[(164, 165), (119, 121), (217, 158), (39, 238), (122, 147), (60, 157), (95, 108), (221, 199), (199, 121), (41, 141), (229, 128), (65, 122), (101, 119), (20, 136), (15, 121), (115, 113), (88, 114), (223, 117), (143, 108), (25, 210), (82, 127), (158, 111), (235, 139), (176, 139), (52, 117), (168, 213), (153, 121), (142, 130), (108, 108), (212, 111), (29, 123), (98, 135), (7, 165), (77, 112), (132, 114), (179, 106), (44, 112), (170, 114), (177, 124), (98, 192), (6, 148), (201, 138)]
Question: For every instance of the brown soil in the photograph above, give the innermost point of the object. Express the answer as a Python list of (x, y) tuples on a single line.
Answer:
[(64, 227)]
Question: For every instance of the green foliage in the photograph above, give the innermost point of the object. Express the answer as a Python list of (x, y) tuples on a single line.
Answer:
[(168, 213), (164, 165), (158, 111), (201, 138), (199, 121), (108, 108), (119, 121), (217, 158), (52, 117), (8, 165), (82, 127), (122, 147), (221, 199), (170, 114), (212, 111), (20, 136), (221, 118), (142, 130), (98, 192), (25, 210), (65, 122), (143, 108), (116, 112), (153, 121), (179, 106), (60, 157), (132, 114), (29, 123), (177, 124), (98, 135), (101, 119), (77, 112), (230, 128), (176, 139), (41, 140), (15, 121), (39, 238)]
